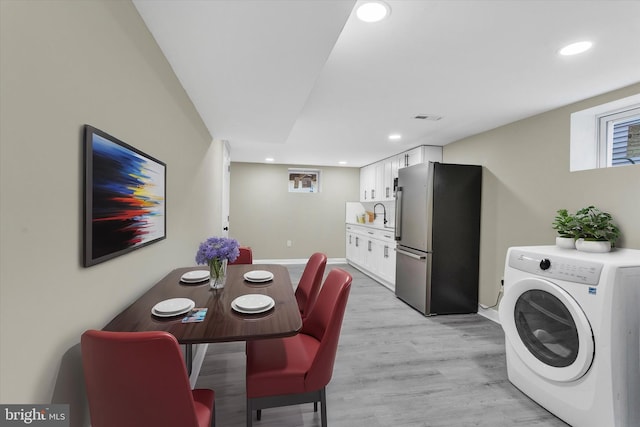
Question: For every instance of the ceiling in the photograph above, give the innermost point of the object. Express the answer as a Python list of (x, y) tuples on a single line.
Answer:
[(305, 82)]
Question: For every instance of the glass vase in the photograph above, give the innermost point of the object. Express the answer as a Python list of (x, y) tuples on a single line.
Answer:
[(217, 273)]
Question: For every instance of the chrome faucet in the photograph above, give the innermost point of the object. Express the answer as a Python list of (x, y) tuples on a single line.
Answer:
[(384, 212)]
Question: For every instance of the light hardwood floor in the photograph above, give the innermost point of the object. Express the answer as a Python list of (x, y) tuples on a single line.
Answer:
[(394, 368)]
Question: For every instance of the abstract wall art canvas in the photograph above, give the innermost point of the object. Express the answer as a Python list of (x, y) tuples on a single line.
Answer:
[(124, 198)]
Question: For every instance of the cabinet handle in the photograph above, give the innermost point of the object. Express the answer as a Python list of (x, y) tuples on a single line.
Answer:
[(357, 241), (365, 194), (369, 246), (373, 194), (349, 239), (386, 192), (386, 251)]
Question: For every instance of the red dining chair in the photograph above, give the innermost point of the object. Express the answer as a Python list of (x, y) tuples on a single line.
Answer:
[(140, 379), (293, 370), (245, 257), (310, 283)]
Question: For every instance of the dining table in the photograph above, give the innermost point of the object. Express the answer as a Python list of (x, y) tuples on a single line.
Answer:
[(222, 322)]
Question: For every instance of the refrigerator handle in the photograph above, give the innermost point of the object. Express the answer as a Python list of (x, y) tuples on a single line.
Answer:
[(410, 254), (398, 220)]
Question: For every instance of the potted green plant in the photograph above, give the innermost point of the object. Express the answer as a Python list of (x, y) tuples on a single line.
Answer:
[(567, 227), (596, 230)]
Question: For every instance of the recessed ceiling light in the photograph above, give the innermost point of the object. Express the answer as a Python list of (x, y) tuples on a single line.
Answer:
[(342, 162), (576, 48), (395, 137), (269, 159), (373, 11)]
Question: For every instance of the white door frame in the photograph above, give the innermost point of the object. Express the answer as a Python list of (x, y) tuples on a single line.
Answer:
[(226, 180)]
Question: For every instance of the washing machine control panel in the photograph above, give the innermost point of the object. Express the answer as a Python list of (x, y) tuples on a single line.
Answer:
[(555, 267)]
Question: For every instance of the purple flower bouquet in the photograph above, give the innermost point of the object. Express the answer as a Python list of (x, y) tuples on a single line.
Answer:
[(216, 252)]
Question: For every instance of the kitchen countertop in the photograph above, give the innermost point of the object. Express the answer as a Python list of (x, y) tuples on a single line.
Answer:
[(372, 225)]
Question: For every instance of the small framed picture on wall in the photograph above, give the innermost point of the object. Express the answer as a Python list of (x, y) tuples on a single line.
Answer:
[(304, 180)]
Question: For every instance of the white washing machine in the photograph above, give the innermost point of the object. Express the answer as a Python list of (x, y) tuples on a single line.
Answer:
[(571, 321)]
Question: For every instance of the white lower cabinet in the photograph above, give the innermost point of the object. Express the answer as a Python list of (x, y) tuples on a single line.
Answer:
[(388, 266), (372, 251), (355, 248)]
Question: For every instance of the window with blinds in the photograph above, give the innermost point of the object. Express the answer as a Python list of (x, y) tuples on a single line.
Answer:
[(619, 138), (626, 142), (606, 135)]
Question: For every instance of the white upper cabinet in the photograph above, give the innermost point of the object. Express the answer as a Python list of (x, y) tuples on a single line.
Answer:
[(387, 180), (431, 153), (422, 154), (367, 183), (377, 179), (410, 158), (376, 182), (383, 189)]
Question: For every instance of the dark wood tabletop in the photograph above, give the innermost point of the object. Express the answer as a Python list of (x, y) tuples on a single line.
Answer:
[(221, 323)]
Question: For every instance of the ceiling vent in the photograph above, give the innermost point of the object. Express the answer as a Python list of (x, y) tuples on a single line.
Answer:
[(431, 117)]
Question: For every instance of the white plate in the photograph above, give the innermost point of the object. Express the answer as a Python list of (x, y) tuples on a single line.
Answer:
[(259, 281), (262, 310), (258, 276), (173, 306), (195, 276), (186, 310), (253, 303)]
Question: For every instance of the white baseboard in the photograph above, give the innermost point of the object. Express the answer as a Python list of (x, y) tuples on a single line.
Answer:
[(489, 313), (380, 280)]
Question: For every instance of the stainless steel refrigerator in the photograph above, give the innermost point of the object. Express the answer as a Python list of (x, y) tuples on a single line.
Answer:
[(438, 237)]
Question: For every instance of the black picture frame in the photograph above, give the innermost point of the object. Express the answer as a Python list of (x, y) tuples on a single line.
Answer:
[(124, 198)]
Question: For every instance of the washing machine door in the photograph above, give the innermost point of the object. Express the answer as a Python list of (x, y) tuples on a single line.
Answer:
[(547, 329)]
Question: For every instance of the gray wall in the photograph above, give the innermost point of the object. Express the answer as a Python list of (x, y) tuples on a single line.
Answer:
[(527, 179), (264, 215), (64, 64)]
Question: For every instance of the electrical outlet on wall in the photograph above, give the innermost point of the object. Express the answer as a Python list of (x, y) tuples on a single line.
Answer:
[(289, 243)]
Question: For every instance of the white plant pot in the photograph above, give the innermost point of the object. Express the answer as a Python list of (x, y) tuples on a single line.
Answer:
[(566, 242), (593, 246)]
